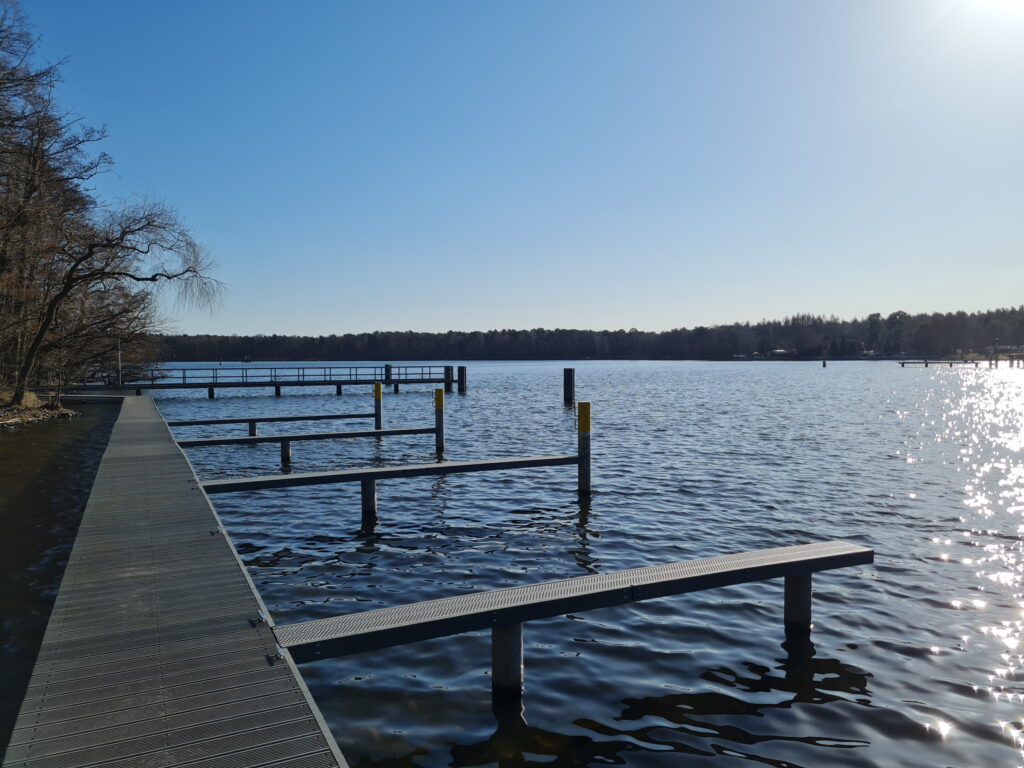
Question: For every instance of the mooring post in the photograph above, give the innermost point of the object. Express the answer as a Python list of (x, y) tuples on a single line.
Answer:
[(797, 610), (277, 390), (568, 386), (387, 373), (507, 660), (583, 452), (252, 429), (368, 502), (286, 451), (209, 392), (449, 378), (337, 389), (378, 396), (439, 420), (462, 379)]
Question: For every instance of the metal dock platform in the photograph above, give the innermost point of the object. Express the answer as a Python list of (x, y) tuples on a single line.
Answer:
[(159, 651)]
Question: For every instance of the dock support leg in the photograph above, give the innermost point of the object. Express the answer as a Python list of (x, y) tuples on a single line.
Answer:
[(449, 378), (583, 452), (439, 420), (337, 389), (209, 392), (462, 379), (395, 385), (507, 661), (252, 429), (798, 602), (277, 390), (286, 452), (568, 386), (368, 502), (378, 396), (824, 364)]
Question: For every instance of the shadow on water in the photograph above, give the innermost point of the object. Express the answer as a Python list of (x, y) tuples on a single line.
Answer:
[(47, 470), (803, 679)]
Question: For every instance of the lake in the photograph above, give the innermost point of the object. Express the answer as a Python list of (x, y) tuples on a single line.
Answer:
[(915, 660)]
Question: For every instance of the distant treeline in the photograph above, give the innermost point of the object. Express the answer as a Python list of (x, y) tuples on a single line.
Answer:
[(800, 336)]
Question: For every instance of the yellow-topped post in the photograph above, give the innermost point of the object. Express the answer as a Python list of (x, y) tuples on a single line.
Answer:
[(439, 420), (378, 399), (583, 452)]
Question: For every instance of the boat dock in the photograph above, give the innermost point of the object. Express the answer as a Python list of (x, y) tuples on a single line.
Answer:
[(212, 379), (159, 651)]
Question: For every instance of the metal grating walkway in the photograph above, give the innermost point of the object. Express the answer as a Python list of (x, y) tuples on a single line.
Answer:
[(155, 654)]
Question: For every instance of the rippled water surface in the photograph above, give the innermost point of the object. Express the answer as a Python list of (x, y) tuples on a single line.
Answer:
[(915, 660)]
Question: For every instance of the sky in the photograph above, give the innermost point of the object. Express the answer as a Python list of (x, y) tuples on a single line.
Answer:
[(359, 166)]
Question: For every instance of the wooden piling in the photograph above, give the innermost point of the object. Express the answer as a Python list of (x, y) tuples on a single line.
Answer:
[(209, 392), (439, 420), (568, 386), (395, 385), (337, 389), (286, 452), (277, 390), (368, 502), (583, 436), (378, 396), (252, 429), (449, 378), (387, 373), (462, 379), (824, 364), (507, 660), (797, 610), (138, 392)]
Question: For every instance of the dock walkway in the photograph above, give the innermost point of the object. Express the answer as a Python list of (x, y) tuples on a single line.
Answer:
[(159, 651)]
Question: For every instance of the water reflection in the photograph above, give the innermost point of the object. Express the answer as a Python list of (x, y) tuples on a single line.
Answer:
[(802, 677)]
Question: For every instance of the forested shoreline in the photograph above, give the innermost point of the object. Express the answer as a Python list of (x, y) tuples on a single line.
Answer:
[(797, 337)]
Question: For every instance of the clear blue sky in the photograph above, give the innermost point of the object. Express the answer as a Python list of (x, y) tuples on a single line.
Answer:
[(472, 165)]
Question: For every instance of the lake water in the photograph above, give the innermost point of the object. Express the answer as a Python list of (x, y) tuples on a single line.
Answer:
[(915, 660)]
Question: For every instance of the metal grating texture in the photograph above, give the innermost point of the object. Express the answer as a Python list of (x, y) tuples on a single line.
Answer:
[(385, 473), (369, 630), (155, 654)]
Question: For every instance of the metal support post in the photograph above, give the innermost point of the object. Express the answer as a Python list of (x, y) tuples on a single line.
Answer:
[(439, 420), (368, 502), (583, 422), (378, 396), (798, 601), (507, 660)]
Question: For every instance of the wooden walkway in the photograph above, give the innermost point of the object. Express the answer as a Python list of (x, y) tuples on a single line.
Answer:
[(157, 652)]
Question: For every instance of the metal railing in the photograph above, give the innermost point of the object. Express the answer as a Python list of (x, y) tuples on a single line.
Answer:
[(296, 374)]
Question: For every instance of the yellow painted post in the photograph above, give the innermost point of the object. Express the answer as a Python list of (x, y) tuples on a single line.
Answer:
[(439, 420), (378, 397), (583, 452)]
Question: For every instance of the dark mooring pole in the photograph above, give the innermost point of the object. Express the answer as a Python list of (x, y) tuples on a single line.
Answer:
[(569, 386)]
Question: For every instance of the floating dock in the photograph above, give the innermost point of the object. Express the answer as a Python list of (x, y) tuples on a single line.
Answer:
[(159, 651)]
